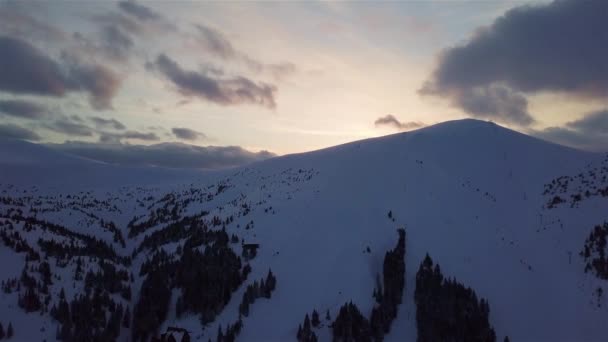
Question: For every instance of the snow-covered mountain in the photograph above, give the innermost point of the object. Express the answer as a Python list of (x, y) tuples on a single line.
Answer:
[(506, 214)]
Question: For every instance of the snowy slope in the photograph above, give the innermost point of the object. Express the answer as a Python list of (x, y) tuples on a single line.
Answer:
[(469, 193)]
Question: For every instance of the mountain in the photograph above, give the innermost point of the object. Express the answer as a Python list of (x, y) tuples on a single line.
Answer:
[(26, 163), (507, 215)]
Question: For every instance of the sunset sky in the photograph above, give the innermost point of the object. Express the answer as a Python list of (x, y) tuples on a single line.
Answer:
[(289, 77)]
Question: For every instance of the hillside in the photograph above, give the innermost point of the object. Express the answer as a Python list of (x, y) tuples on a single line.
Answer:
[(503, 213)]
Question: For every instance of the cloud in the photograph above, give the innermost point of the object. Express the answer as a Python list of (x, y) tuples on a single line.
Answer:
[(495, 102), (117, 44), (17, 132), (14, 22), (216, 43), (138, 10), (390, 120), (558, 47), (26, 70), (69, 126), (120, 21), (222, 91), (100, 82), (107, 123), (588, 133), (188, 134), (115, 138), (22, 109), (171, 155), (594, 122)]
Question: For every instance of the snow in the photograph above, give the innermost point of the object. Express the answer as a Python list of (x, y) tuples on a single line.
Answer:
[(469, 193)]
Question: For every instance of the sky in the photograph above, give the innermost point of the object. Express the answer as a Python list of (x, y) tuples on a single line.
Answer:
[(226, 83)]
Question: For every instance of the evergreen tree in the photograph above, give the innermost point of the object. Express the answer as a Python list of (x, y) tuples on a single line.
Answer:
[(447, 310), (306, 323), (315, 318), (220, 335), (9, 331), (1, 331)]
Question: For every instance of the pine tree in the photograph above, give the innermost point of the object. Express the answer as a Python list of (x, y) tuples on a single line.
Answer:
[(327, 316), (306, 323), (220, 335), (9, 331), (315, 318), (1, 331)]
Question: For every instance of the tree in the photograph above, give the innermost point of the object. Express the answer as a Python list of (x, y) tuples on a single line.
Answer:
[(9, 331), (315, 318), (186, 337), (1, 331), (220, 335), (306, 323)]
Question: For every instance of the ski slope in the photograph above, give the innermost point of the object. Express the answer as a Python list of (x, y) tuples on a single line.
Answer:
[(469, 193)]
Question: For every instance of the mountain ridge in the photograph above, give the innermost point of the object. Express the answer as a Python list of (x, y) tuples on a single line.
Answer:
[(481, 211)]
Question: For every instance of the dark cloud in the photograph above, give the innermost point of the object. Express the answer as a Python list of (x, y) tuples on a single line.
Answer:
[(17, 132), (26, 70), (115, 138), (495, 102), (188, 134), (215, 42), (138, 10), (390, 120), (558, 47), (172, 155), (22, 109), (588, 133), (100, 82), (117, 44), (595, 122), (71, 126), (107, 123), (223, 91)]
